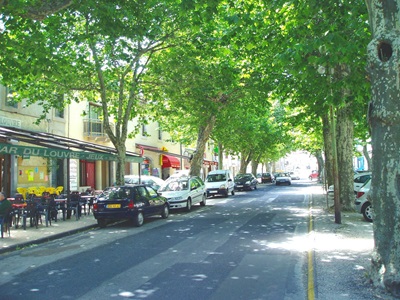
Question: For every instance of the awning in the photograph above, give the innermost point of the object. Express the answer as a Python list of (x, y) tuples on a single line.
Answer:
[(210, 163), (55, 146), (169, 161)]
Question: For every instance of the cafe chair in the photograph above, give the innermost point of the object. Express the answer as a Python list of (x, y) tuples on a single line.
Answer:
[(17, 212), (22, 191), (6, 222), (31, 213), (74, 205), (31, 192), (59, 189)]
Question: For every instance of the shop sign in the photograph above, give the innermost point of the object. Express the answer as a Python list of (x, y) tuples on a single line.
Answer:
[(26, 151)]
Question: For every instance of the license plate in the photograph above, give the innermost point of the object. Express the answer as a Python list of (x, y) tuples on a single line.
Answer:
[(212, 192), (239, 185), (113, 205)]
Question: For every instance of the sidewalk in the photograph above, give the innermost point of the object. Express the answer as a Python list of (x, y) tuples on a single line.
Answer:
[(21, 238), (341, 253)]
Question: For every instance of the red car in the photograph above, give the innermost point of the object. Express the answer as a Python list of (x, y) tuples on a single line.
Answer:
[(313, 175)]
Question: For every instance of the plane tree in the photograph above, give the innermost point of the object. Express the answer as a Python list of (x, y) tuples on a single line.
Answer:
[(201, 83), (384, 119), (94, 51)]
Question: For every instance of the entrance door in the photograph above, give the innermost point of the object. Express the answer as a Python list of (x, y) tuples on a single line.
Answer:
[(87, 171)]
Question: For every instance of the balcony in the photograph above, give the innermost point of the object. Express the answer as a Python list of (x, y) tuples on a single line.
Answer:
[(93, 129)]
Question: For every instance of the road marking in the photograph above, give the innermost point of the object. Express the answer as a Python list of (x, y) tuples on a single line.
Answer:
[(310, 289)]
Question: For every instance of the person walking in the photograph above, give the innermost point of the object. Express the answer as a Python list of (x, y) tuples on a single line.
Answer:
[(5, 208)]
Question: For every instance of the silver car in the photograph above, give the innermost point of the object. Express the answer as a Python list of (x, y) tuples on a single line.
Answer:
[(362, 203)]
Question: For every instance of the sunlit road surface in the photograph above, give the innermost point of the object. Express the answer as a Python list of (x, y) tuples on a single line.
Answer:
[(249, 246)]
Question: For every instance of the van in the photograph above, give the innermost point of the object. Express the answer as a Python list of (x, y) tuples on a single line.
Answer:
[(220, 182)]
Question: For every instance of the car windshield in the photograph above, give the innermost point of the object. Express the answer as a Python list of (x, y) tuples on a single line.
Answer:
[(240, 176), (283, 175), (118, 193), (179, 184), (216, 177), (366, 182)]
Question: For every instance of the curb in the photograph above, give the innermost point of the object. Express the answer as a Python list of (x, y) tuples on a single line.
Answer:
[(47, 239)]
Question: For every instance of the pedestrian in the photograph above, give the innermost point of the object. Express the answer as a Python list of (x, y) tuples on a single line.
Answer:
[(5, 207)]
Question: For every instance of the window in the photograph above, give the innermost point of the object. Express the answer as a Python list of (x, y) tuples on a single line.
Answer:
[(9, 98), (60, 112), (144, 130), (159, 132)]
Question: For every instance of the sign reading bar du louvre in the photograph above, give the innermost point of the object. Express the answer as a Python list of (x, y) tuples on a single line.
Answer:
[(26, 151)]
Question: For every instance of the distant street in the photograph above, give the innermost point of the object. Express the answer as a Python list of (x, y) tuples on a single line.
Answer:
[(248, 246)]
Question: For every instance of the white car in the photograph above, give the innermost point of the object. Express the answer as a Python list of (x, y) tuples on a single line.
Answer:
[(219, 182), (153, 181), (359, 180), (362, 203), (283, 178), (184, 191)]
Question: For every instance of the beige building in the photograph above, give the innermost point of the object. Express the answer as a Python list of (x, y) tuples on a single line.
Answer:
[(70, 148)]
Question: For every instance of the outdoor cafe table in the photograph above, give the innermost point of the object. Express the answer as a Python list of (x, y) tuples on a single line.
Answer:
[(62, 204), (18, 211), (87, 199)]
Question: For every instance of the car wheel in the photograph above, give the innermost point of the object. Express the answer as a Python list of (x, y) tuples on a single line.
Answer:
[(165, 212), (367, 211), (102, 223), (189, 205), (139, 220), (255, 187), (203, 203), (233, 192)]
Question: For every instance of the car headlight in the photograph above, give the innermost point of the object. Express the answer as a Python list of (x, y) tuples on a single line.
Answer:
[(247, 182), (223, 187)]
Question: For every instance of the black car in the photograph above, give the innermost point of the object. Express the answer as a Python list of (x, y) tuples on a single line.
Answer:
[(245, 181), (266, 177), (131, 202)]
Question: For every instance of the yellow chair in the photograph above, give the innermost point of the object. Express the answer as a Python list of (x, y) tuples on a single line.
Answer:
[(59, 189), (32, 191), (40, 191), (51, 190), (22, 191)]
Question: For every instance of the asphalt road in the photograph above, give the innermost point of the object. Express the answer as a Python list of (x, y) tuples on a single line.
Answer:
[(247, 246)]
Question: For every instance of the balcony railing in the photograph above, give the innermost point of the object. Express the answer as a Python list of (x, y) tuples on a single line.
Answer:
[(94, 129)]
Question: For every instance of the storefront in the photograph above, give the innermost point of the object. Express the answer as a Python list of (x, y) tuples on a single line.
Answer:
[(41, 159)]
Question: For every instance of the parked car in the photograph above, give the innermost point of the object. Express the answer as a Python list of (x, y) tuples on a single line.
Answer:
[(363, 205), (283, 178), (184, 191), (220, 182), (267, 177), (359, 180), (153, 181), (129, 202), (246, 181), (294, 176), (314, 175)]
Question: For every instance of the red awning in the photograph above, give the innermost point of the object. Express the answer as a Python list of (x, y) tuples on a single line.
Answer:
[(170, 162)]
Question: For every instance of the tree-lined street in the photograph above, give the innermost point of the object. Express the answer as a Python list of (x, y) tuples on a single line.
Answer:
[(253, 245)]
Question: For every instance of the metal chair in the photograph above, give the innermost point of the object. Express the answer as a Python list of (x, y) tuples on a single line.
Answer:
[(6, 222)]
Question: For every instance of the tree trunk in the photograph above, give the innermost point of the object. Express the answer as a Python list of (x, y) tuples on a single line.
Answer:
[(384, 118), (326, 128), (345, 137), (254, 165), (244, 161), (367, 157), (220, 156), (202, 138)]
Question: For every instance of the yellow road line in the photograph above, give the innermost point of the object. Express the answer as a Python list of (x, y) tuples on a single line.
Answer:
[(310, 287)]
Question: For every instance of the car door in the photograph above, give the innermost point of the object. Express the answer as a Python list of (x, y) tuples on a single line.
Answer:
[(155, 200), (195, 190), (143, 202)]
